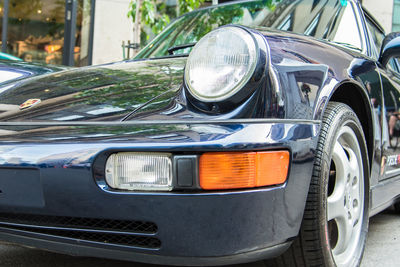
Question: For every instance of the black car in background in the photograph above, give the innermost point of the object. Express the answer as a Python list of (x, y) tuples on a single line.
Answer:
[(245, 131)]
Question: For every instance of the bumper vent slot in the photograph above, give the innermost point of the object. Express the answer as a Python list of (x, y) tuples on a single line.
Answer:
[(105, 231), (83, 223)]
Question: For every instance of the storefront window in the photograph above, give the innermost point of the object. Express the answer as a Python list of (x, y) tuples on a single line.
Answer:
[(36, 30)]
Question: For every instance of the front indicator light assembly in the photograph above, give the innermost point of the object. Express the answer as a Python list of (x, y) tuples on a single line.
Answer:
[(233, 170), (135, 171), (139, 171)]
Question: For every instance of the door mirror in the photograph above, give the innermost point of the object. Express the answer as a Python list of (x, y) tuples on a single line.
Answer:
[(390, 48)]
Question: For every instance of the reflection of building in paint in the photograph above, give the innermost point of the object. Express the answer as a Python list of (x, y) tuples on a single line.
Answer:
[(301, 86), (319, 21), (386, 12)]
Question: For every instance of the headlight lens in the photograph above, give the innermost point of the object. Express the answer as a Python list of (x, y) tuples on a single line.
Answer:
[(139, 171), (221, 63)]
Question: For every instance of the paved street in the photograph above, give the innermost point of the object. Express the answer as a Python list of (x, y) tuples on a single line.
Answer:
[(383, 243), (382, 249)]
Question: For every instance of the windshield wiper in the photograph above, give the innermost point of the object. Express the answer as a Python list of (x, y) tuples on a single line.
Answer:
[(172, 49)]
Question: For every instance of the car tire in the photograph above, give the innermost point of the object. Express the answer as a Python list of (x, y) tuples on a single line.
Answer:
[(335, 221)]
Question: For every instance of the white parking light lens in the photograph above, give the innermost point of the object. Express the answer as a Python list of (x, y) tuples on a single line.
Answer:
[(221, 63), (139, 171)]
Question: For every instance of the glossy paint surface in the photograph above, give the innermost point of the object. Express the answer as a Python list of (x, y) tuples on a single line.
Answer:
[(68, 156), (12, 71), (306, 70), (303, 76), (100, 93), (5, 56), (137, 104)]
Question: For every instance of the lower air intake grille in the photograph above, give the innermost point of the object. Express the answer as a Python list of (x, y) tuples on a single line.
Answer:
[(119, 232), (83, 223)]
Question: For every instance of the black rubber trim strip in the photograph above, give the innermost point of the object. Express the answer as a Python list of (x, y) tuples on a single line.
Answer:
[(10, 225), (86, 249), (161, 122)]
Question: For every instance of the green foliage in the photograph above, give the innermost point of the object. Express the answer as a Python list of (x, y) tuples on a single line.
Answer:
[(188, 5), (152, 14), (127, 89)]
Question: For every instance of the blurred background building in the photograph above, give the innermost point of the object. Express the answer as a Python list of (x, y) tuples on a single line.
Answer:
[(69, 32), (49, 31), (387, 12), (85, 32)]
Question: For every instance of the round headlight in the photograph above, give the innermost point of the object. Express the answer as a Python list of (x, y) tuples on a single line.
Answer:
[(221, 63)]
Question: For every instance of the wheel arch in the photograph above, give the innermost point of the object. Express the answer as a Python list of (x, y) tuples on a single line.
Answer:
[(357, 98)]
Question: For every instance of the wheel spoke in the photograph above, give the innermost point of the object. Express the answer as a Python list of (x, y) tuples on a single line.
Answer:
[(343, 203), (345, 230), (336, 207), (336, 199), (342, 163)]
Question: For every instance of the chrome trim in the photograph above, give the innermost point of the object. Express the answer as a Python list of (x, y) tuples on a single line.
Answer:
[(393, 172), (361, 28), (163, 122)]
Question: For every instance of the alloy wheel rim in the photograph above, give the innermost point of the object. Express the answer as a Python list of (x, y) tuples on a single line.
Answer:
[(345, 201)]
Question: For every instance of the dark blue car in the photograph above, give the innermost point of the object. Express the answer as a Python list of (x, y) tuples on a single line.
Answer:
[(246, 131)]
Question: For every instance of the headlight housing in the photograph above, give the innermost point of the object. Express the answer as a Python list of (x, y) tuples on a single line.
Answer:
[(222, 63)]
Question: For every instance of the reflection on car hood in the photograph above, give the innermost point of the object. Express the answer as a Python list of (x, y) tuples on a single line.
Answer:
[(12, 71), (100, 93)]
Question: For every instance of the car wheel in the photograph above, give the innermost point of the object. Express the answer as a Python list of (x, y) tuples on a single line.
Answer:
[(335, 222)]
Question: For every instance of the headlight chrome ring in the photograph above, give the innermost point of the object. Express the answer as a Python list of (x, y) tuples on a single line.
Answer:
[(221, 64)]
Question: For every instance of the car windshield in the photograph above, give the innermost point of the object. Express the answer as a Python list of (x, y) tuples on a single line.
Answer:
[(331, 20)]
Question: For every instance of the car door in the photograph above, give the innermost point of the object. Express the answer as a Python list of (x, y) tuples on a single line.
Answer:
[(370, 78), (391, 142), (390, 120)]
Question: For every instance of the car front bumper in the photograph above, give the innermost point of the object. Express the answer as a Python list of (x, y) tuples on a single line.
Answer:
[(51, 200)]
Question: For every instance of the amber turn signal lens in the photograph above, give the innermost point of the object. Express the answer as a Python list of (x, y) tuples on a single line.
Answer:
[(243, 170)]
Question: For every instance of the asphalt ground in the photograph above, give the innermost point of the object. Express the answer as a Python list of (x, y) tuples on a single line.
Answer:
[(382, 249)]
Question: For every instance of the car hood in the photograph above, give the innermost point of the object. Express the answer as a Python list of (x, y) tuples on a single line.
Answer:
[(12, 71), (100, 93)]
